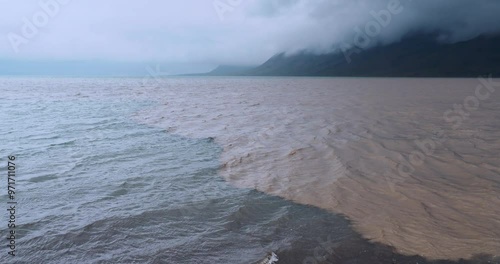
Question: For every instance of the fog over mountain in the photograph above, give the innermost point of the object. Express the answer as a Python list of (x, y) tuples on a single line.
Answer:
[(200, 34), (326, 23)]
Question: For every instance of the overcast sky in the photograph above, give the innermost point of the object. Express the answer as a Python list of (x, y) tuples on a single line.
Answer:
[(203, 33)]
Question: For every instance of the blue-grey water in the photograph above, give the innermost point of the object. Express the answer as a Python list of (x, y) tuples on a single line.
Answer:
[(95, 186)]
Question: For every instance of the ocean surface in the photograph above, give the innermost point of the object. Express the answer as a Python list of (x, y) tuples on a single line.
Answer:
[(228, 170)]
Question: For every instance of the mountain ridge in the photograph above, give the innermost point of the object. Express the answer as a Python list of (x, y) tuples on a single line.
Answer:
[(414, 56)]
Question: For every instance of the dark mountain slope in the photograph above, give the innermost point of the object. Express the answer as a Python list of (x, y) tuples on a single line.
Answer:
[(417, 56)]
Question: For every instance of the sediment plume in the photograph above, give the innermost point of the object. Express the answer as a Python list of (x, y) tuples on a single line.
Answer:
[(414, 163)]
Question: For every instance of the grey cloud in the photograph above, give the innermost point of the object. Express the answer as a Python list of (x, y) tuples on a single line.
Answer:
[(190, 31)]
